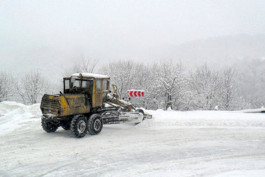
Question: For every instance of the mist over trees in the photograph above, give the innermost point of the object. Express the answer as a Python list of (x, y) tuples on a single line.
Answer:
[(170, 85), (167, 85), (251, 81)]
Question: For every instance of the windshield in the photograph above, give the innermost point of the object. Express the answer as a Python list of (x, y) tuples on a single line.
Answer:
[(78, 85), (76, 82)]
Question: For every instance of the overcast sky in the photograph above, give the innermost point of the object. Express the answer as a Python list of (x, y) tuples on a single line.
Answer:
[(45, 34)]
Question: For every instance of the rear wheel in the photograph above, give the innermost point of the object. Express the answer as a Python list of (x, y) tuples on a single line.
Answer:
[(66, 125), (95, 124), (48, 125), (79, 126)]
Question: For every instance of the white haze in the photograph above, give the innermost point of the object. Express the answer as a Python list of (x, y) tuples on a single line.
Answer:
[(45, 35)]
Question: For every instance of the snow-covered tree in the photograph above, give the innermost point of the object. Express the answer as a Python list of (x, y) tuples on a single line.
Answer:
[(206, 88), (142, 81), (169, 84), (228, 88)]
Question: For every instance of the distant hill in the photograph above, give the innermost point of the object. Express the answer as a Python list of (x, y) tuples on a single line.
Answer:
[(217, 51)]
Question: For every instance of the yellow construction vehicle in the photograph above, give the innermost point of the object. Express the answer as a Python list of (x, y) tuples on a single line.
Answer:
[(86, 105)]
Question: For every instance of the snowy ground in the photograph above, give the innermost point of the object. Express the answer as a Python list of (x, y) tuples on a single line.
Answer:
[(197, 143)]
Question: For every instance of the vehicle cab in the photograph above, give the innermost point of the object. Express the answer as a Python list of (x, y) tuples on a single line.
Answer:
[(94, 86)]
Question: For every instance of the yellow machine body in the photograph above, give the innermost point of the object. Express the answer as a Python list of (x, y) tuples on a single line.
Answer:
[(90, 95)]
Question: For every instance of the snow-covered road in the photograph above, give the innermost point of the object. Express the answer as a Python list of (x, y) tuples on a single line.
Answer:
[(197, 143)]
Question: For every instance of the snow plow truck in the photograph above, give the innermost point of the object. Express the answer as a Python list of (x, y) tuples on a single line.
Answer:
[(85, 105)]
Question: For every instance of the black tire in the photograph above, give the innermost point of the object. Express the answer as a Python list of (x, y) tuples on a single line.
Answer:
[(48, 125), (79, 126), (66, 125), (140, 110), (95, 124)]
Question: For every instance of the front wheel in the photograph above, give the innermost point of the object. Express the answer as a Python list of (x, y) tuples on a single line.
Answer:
[(95, 124), (79, 126), (48, 125), (140, 110)]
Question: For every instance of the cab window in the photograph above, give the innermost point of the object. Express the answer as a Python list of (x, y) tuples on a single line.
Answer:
[(85, 84), (98, 85), (105, 85), (66, 84), (76, 83)]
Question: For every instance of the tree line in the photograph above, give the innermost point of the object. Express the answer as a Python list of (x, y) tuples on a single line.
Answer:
[(167, 85)]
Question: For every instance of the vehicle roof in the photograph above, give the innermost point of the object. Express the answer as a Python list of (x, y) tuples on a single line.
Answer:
[(90, 75)]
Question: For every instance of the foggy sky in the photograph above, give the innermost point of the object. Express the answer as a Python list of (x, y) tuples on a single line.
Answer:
[(48, 34)]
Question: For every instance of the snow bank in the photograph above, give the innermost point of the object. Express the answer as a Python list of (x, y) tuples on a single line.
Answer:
[(261, 110), (206, 119), (15, 115)]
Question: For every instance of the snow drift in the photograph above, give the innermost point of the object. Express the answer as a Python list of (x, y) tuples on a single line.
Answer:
[(15, 115)]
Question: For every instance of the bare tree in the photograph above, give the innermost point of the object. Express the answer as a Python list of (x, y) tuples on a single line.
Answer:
[(6, 86), (31, 87), (83, 65), (87, 65), (122, 74)]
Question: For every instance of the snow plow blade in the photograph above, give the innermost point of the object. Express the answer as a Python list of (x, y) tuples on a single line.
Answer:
[(133, 117), (148, 116)]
